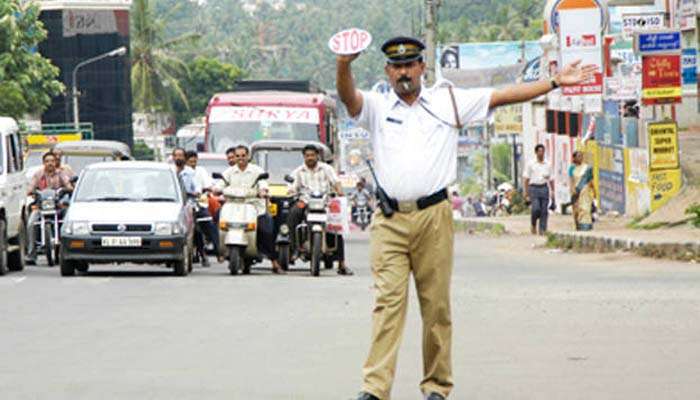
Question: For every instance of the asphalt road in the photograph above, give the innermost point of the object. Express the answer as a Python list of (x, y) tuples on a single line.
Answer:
[(529, 324)]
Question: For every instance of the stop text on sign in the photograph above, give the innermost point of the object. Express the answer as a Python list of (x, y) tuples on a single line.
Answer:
[(350, 41)]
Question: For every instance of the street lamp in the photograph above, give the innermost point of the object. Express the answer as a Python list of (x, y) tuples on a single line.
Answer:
[(76, 112)]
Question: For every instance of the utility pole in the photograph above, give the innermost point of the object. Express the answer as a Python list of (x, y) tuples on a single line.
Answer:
[(431, 7)]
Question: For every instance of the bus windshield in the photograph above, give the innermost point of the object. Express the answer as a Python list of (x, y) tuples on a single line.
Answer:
[(223, 135)]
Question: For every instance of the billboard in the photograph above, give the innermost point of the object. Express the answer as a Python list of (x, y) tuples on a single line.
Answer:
[(661, 79), (663, 145), (580, 39)]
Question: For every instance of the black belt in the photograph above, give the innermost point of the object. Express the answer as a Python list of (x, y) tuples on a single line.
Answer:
[(539, 185), (420, 204)]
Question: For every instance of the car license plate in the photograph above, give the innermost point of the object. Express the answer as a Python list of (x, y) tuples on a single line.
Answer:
[(131, 241), (273, 209), (313, 217)]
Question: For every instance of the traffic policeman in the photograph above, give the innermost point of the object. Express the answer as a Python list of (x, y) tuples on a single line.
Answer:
[(414, 233)]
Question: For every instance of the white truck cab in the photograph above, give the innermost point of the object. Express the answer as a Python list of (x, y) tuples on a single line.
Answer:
[(13, 188)]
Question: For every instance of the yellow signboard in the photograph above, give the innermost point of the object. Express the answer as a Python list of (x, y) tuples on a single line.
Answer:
[(43, 140), (509, 120), (664, 185), (660, 93), (663, 146)]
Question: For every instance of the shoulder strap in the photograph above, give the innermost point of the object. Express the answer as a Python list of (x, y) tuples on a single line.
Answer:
[(458, 123)]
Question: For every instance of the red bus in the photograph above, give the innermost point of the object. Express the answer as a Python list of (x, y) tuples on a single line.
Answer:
[(257, 110)]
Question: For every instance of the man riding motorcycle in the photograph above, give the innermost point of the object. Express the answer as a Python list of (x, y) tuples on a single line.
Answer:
[(243, 175), (203, 183), (48, 177), (315, 176), (361, 197)]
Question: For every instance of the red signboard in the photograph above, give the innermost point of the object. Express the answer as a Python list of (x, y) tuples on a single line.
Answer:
[(661, 79)]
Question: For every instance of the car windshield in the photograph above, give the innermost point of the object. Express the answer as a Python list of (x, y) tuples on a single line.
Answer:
[(78, 162), (213, 165), (278, 163), (127, 185), (223, 135)]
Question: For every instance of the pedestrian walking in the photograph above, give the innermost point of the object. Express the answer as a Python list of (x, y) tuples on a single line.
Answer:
[(539, 190), (414, 234)]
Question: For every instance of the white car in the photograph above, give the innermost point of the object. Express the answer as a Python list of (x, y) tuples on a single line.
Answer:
[(127, 212), (13, 188)]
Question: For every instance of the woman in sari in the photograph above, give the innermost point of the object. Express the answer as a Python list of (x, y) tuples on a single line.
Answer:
[(582, 192)]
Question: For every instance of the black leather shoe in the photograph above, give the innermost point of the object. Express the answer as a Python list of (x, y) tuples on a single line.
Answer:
[(435, 396), (367, 396)]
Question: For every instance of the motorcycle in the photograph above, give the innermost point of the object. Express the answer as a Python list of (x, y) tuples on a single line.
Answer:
[(312, 245), (50, 204), (201, 220), (238, 227)]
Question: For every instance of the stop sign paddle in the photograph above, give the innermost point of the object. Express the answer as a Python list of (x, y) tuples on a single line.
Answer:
[(350, 41)]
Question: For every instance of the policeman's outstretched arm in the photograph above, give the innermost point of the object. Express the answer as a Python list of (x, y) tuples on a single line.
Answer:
[(570, 75), (349, 95)]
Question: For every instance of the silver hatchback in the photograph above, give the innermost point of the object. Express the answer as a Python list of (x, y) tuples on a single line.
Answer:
[(127, 212)]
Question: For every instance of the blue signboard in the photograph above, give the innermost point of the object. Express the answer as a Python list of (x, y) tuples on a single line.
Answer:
[(689, 63), (659, 42)]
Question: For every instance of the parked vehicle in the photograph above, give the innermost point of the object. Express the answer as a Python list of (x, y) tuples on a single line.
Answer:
[(238, 227), (128, 212), (13, 187), (82, 153)]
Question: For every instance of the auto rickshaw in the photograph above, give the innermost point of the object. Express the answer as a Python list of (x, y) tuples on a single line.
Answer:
[(279, 158)]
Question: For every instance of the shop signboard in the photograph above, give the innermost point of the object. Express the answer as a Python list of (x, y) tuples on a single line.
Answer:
[(663, 145), (661, 79)]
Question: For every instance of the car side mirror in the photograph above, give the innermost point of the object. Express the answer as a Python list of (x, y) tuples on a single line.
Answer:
[(74, 179), (263, 176), (217, 175), (288, 178)]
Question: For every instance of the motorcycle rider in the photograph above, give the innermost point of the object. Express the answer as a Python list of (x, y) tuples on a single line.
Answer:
[(48, 177), (314, 175), (203, 183), (361, 196), (242, 175), (60, 165)]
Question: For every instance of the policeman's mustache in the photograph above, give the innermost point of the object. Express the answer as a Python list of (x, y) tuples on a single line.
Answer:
[(405, 83)]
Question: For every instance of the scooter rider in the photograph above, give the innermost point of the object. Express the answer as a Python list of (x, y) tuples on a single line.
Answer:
[(203, 183), (47, 177), (361, 196), (314, 175), (243, 175)]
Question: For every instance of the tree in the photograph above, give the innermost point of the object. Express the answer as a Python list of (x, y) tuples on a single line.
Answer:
[(206, 77), (156, 67), (27, 80)]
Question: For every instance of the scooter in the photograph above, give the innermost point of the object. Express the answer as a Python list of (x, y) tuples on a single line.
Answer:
[(238, 227), (312, 234), (362, 214)]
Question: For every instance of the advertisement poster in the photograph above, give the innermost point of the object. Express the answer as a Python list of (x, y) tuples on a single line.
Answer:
[(508, 120), (663, 145), (580, 39), (641, 22), (664, 185), (563, 149), (611, 178), (687, 14), (689, 64), (638, 195), (661, 79)]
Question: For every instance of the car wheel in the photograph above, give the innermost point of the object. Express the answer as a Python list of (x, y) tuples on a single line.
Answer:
[(181, 267), (67, 266), (15, 260), (3, 248)]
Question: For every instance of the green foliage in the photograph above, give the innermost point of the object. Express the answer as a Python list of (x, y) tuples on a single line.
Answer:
[(27, 80), (694, 209), (501, 157), (142, 152), (156, 67), (206, 77)]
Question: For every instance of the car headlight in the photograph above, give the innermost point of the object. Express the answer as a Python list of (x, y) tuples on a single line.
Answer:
[(165, 228), (317, 204), (76, 228)]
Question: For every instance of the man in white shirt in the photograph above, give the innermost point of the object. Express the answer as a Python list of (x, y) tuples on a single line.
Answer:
[(539, 189), (203, 183), (244, 175), (416, 123), (202, 180)]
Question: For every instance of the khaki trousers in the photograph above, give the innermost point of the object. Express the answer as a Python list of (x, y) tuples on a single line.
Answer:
[(418, 243)]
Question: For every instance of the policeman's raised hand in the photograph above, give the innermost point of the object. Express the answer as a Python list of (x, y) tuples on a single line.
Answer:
[(346, 59), (575, 74)]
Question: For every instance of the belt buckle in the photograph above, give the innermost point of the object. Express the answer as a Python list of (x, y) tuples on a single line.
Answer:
[(407, 206)]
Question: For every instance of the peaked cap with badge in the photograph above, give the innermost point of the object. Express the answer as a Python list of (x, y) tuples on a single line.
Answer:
[(403, 49)]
